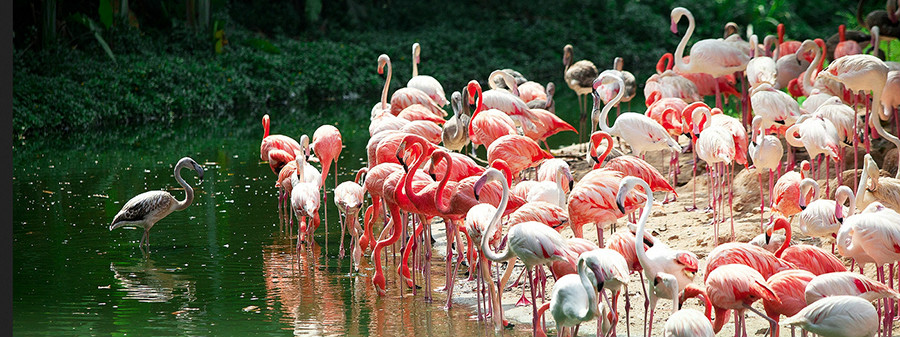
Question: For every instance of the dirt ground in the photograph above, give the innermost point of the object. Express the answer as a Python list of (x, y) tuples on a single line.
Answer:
[(680, 229)]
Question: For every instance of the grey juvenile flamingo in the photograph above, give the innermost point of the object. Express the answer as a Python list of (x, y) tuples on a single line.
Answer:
[(145, 209)]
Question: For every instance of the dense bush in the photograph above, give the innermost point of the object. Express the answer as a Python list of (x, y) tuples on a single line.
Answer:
[(276, 56)]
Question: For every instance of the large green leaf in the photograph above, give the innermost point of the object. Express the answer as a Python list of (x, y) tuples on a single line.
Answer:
[(106, 13), (90, 24)]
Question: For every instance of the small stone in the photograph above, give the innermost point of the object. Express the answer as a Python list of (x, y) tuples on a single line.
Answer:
[(658, 213), (673, 237)]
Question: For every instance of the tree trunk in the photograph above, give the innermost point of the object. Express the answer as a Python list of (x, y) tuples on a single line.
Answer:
[(49, 27)]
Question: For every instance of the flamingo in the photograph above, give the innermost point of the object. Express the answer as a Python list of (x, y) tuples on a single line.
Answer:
[(532, 242), (788, 286), (822, 217), (417, 112), (508, 101), (592, 201), (145, 209), (382, 119), (670, 84), (579, 77), (548, 124), (493, 123), (426, 129), (547, 172), (453, 134), (429, 85), (278, 150), (519, 152), (622, 242), (405, 97), (547, 102), (787, 191), (327, 144), (714, 57), (788, 68), (837, 316), (530, 91), (845, 47), (374, 184), (786, 48), (574, 299), (761, 69), (766, 151), (819, 137), (659, 259), (736, 287), (547, 191), (628, 165), (608, 90), (612, 273), (764, 261), (642, 133), (715, 145), (885, 190), (305, 199), (847, 284), (690, 322), (806, 257), (349, 197)]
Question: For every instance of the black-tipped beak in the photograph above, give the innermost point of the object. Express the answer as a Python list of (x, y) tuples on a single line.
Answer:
[(571, 184), (840, 220), (596, 160), (476, 197), (621, 207), (433, 176), (768, 238), (802, 207)]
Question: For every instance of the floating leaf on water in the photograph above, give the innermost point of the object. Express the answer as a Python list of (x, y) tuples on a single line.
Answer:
[(251, 308), (48, 192)]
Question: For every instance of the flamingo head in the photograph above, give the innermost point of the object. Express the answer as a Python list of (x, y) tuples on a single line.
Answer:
[(379, 283), (596, 139), (383, 59), (488, 175), (652, 98), (567, 55), (665, 285), (780, 30), (690, 262), (676, 15), (776, 223), (690, 291), (416, 49), (472, 88)]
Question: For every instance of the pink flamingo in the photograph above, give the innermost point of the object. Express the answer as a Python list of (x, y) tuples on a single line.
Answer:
[(736, 287), (532, 242), (628, 165), (609, 89), (426, 129), (493, 123), (546, 125), (806, 257), (349, 197), (327, 144), (786, 48), (615, 275), (519, 152), (659, 260), (822, 217), (532, 90), (405, 97), (546, 102), (670, 84), (278, 150), (623, 243), (788, 68), (845, 47), (764, 261), (574, 299), (715, 145), (837, 316), (690, 322), (847, 283), (788, 286), (579, 77), (508, 101), (305, 197), (711, 56), (761, 68), (786, 199), (819, 136), (547, 172), (427, 84), (374, 184), (592, 201), (383, 105), (766, 151), (418, 112)]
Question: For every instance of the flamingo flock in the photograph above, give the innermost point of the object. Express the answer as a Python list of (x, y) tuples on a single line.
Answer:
[(521, 205)]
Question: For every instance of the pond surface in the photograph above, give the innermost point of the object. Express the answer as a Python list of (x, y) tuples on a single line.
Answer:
[(223, 266)]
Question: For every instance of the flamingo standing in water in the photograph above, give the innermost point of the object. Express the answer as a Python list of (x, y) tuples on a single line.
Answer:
[(145, 209), (837, 316), (789, 286), (579, 77), (736, 287), (711, 56), (532, 242), (660, 263), (426, 83), (327, 144), (305, 199), (349, 197), (278, 150)]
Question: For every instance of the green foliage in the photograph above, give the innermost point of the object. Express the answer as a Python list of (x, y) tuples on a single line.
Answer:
[(90, 24), (106, 13)]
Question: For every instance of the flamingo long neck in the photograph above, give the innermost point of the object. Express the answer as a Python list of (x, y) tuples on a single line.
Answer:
[(840, 197), (662, 64), (387, 84), (609, 147), (841, 30), (876, 121), (501, 165), (780, 33), (415, 60), (559, 186), (408, 178), (360, 174), (876, 44), (782, 223), (479, 105), (265, 123), (589, 290), (642, 222), (807, 76), (603, 114), (439, 196), (494, 224), (188, 191), (861, 187), (456, 104), (679, 51)]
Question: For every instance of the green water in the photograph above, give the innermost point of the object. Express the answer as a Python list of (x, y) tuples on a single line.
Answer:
[(223, 266)]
